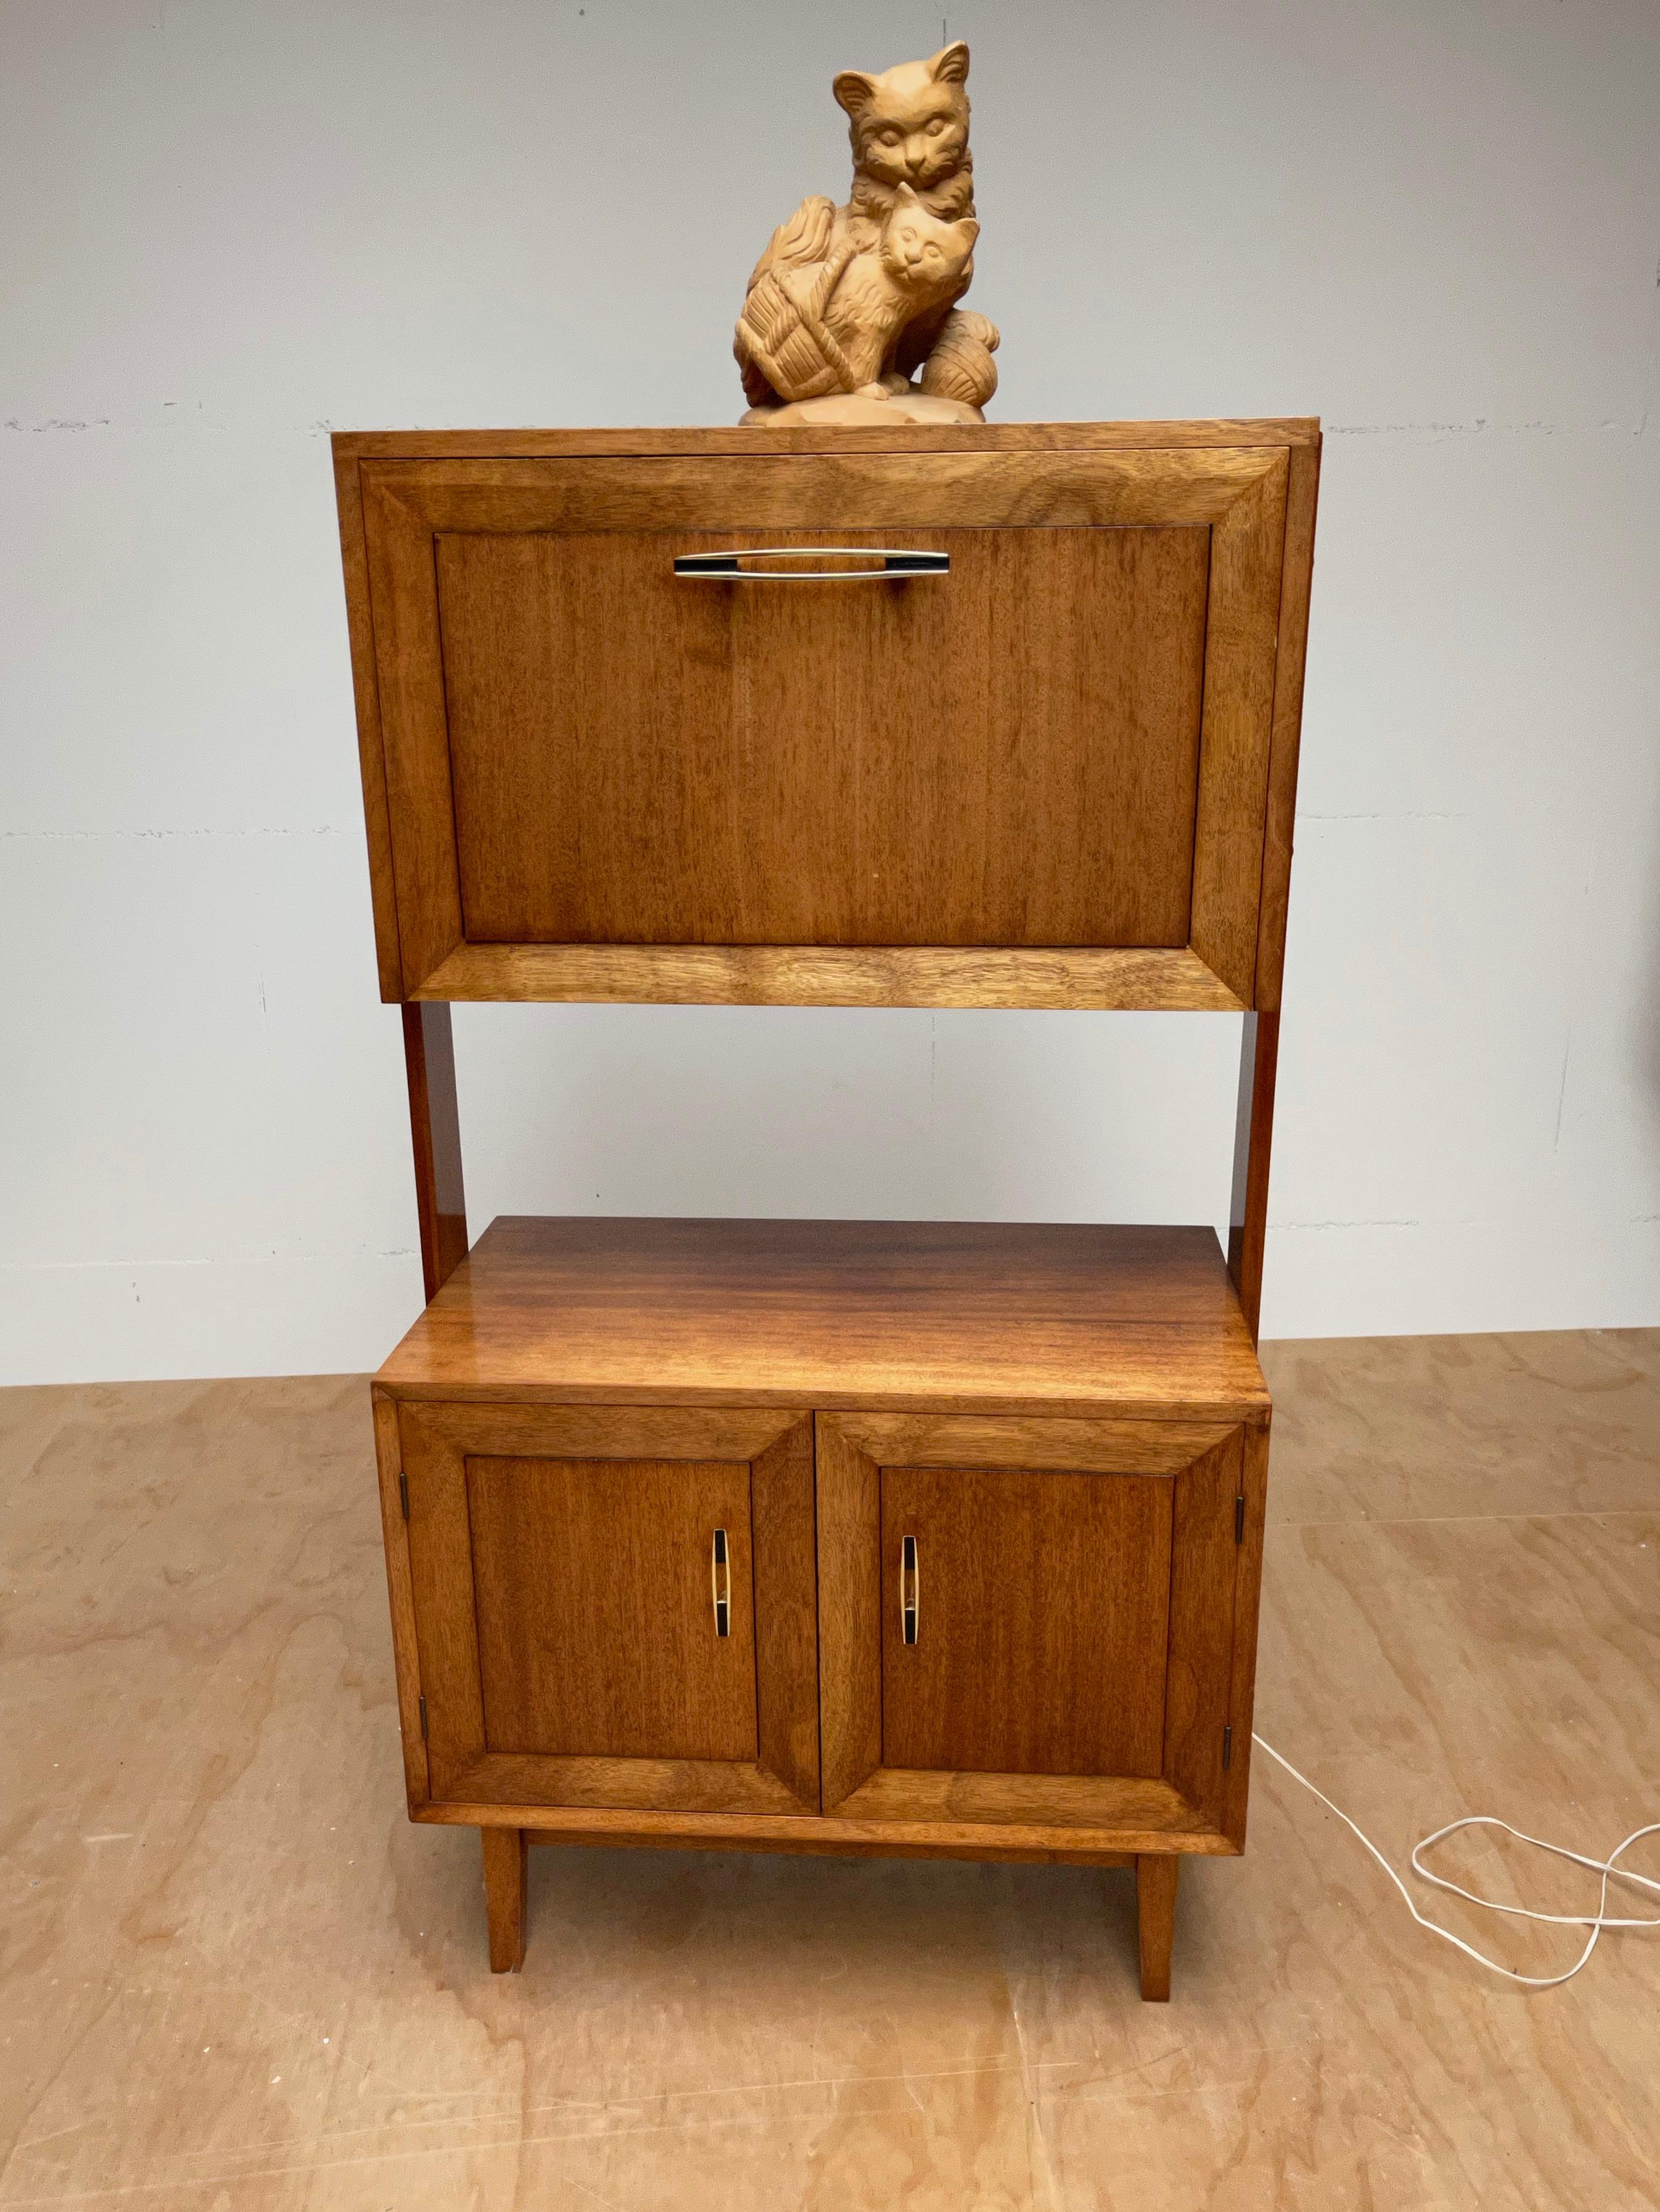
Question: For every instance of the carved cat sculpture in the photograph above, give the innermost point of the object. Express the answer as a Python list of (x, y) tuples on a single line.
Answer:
[(909, 130), (823, 317)]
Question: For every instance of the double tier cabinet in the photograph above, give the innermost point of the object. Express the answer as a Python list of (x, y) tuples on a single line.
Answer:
[(936, 1539)]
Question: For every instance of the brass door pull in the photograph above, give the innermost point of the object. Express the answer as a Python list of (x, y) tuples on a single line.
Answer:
[(911, 1585), (720, 1585)]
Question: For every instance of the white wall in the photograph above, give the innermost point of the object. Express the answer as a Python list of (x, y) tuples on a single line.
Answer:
[(231, 226)]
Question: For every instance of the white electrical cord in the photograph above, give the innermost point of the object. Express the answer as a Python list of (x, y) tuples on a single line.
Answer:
[(1595, 1922)]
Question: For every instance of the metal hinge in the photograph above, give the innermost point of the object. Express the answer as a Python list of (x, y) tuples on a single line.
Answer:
[(404, 1493), (423, 1722), (1239, 1518), (1227, 1741)]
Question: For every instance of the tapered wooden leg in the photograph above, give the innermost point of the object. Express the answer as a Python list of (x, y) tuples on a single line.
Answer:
[(507, 1854), (1155, 1912)]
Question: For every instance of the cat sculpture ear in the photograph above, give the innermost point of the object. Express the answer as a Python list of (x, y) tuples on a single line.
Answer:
[(904, 197), (854, 91), (949, 65)]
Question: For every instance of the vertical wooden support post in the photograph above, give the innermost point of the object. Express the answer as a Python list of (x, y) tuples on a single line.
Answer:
[(435, 1126), (1155, 1912), (507, 1863), (1253, 1138)]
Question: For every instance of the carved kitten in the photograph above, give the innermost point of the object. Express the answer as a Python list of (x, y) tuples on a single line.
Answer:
[(909, 126), (812, 325)]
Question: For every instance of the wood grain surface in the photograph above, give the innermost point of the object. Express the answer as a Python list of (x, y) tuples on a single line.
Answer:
[(441, 1205), (559, 1621), (1155, 1879), (1041, 1623), (913, 1317), (581, 755), (596, 1621), (1007, 755), (505, 1885), (1075, 1625), (903, 438), (1143, 979)]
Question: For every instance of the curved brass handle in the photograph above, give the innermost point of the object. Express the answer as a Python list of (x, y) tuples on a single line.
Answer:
[(910, 1589), (723, 568), (721, 1583)]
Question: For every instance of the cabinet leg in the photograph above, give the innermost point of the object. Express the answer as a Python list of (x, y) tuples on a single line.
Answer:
[(1155, 1912), (507, 1852)]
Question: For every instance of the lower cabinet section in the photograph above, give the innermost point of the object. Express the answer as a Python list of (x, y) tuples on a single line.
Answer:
[(846, 1630), (952, 1635)]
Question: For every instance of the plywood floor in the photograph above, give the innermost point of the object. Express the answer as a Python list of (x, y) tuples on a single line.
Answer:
[(233, 1978)]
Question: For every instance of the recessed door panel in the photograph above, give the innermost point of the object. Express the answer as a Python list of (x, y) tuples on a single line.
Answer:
[(1007, 754), (1025, 1621), (601, 1628)]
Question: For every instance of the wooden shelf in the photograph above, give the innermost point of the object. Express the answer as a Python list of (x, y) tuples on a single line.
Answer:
[(941, 1317)]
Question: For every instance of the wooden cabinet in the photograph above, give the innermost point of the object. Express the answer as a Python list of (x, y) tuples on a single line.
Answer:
[(938, 1539)]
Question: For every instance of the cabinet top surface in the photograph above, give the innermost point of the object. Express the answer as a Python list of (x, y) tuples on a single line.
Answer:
[(921, 1317), (903, 438)]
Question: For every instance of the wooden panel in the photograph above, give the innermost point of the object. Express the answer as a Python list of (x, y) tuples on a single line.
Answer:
[(907, 1316), (371, 760), (1006, 756), (440, 1581), (1144, 980), (1153, 1819), (596, 1625), (849, 1615), (1139, 1804), (1204, 1569), (1247, 1602), (698, 1785), (822, 493), (1085, 1447), (414, 742), (1041, 1626), (578, 1627), (901, 438), (781, 1504), (1297, 570), (603, 1432), (405, 1646), (650, 815), (1241, 636)]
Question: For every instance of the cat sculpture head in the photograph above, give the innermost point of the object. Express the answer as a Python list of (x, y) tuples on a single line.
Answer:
[(928, 258), (910, 124)]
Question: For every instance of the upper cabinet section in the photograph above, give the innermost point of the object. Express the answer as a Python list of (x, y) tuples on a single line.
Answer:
[(981, 716)]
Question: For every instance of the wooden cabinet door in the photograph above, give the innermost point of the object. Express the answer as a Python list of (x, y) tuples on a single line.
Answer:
[(614, 1607), (1060, 740), (1048, 1622)]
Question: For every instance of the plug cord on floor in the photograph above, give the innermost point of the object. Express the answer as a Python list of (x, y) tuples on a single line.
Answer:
[(1596, 1922)]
